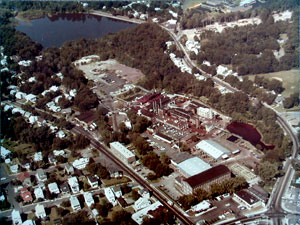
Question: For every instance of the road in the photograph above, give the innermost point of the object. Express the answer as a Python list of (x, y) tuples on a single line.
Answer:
[(96, 144), (283, 182)]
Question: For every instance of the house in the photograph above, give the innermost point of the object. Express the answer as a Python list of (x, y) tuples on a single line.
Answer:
[(14, 168), (51, 158), (69, 169), (75, 203), (26, 195), (88, 198), (93, 181), (40, 211), (39, 194), (80, 163), (38, 156), (64, 188), (5, 153), (53, 188), (16, 217), (117, 191), (110, 196), (73, 182), (40, 175), (139, 216), (24, 177), (141, 203), (144, 193)]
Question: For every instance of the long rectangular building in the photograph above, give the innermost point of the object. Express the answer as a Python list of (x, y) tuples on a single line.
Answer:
[(213, 149), (205, 179), (122, 152)]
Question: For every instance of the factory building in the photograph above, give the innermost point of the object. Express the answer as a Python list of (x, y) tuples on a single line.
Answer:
[(122, 152), (192, 166), (204, 180), (205, 112)]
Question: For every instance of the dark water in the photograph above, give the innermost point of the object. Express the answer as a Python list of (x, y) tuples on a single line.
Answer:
[(55, 30), (249, 133)]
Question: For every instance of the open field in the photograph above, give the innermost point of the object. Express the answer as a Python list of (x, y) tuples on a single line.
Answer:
[(290, 79)]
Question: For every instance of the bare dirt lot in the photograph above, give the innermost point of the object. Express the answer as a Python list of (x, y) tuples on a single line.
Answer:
[(93, 69)]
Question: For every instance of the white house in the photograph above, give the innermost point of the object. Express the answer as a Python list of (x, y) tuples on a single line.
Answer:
[(73, 182), (75, 203), (141, 203), (53, 188), (117, 191), (80, 163), (88, 198), (38, 156), (110, 196), (40, 211), (38, 192), (16, 217), (93, 181), (4, 152)]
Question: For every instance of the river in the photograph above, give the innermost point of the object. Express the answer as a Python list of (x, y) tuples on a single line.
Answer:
[(55, 30)]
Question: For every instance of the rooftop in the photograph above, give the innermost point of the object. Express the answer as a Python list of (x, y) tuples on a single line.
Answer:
[(212, 148), (247, 197), (206, 176), (122, 149), (193, 166)]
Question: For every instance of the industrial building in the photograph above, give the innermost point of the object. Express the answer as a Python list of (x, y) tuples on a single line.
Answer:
[(193, 166), (205, 112), (205, 179), (213, 149), (122, 152)]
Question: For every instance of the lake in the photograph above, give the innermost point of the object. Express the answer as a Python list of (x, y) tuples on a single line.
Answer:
[(55, 30), (249, 133)]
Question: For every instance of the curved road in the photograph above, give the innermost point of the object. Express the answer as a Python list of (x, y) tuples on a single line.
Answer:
[(283, 182)]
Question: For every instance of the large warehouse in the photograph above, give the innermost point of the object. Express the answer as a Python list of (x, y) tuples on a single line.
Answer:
[(193, 166), (213, 149)]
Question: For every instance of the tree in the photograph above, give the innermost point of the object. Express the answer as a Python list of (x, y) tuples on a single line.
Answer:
[(267, 170)]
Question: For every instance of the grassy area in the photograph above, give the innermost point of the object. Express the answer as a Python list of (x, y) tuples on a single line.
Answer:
[(30, 15), (289, 78), (115, 181)]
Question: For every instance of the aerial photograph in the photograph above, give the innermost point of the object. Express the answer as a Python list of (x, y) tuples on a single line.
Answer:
[(148, 112)]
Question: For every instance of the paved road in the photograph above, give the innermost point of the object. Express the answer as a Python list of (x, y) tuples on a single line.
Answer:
[(96, 144), (283, 182)]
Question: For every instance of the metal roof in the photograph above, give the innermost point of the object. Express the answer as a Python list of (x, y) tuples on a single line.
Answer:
[(212, 148), (193, 166)]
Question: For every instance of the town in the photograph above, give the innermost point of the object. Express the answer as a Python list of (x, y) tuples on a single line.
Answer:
[(115, 150)]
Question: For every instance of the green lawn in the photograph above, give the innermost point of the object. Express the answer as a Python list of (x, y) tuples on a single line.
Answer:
[(289, 78)]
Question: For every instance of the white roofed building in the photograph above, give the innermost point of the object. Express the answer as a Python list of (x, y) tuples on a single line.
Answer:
[(53, 188), (38, 192), (75, 203), (80, 163), (193, 166), (109, 194), (40, 211), (139, 216), (141, 203), (16, 217), (205, 112), (122, 152), (212, 149), (88, 198), (73, 182), (204, 205)]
